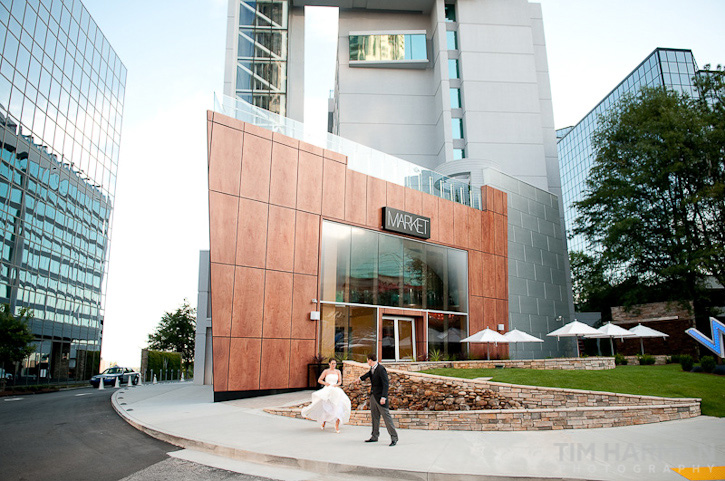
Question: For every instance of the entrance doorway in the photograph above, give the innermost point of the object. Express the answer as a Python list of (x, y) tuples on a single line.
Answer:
[(398, 339)]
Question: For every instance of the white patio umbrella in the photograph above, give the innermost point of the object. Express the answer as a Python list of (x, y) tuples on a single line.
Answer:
[(611, 331), (643, 332), (517, 336), (487, 336), (574, 329)]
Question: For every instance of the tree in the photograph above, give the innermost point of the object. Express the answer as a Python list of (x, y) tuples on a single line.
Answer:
[(589, 283), (654, 200), (176, 332), (15, 336)]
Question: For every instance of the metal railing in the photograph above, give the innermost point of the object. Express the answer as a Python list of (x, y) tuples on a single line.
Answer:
[(359, 157)]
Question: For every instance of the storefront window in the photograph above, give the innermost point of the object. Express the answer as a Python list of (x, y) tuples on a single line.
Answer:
[(391, 270), (361, 266), (348, 332), (445, 332)]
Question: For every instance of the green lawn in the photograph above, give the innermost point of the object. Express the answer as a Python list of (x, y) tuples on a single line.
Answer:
[(666, 381)]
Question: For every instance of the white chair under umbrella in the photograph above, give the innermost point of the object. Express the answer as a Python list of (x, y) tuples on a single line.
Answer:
[(517, 336), (643, 332), (611, 331), (487, 336), (574, 329)]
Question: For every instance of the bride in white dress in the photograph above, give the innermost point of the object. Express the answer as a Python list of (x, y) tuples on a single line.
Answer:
[(329, 403)]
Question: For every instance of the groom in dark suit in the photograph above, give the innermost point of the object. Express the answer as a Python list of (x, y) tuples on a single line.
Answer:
[(379, 400)]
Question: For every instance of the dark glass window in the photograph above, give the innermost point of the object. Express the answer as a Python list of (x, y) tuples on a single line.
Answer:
[(445, 332), (450, 10), (366, 267)]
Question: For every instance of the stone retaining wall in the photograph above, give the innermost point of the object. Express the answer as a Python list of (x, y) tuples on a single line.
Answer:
[(568, 364), (525, 419), (405, 385), (660, 360), (425, 401)]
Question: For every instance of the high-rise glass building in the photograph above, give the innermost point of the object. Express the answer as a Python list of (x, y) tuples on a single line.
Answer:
[(61, 103), (665, 67), (256, 67)]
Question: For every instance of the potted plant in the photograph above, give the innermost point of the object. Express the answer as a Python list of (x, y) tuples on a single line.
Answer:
[(314, 369)]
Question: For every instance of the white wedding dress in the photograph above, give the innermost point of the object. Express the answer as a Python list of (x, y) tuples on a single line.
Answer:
[(329, 403)]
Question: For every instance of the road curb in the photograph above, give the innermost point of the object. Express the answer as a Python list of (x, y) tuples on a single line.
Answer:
[(310, 465)]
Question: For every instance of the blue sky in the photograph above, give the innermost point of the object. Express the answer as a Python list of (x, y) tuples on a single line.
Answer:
[(174, 53)]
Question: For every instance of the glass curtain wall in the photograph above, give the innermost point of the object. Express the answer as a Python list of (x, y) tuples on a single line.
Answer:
[(261, 77), (673, 69), (366, 267), (388, 47), (61, 104), (361, 266)]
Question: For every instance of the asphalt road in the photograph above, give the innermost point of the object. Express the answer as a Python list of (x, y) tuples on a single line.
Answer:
[(71, 435)]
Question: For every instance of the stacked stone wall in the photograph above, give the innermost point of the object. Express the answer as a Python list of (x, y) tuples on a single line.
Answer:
[(566, 364), (425, 401)]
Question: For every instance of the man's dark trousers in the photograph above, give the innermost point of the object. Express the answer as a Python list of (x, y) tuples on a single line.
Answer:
[(376, 409), (379, 389)]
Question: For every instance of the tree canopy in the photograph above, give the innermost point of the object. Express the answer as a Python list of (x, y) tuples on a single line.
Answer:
[(176, 332), (654, 208), (15, 335)]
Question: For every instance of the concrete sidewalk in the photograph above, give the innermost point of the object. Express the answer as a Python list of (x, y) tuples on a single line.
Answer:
[(184, 414)]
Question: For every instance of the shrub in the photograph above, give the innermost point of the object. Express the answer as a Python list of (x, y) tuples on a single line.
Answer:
[(673, 359), (162, 361), (686, 362), (707, 363), (646, 360), (620, 360)]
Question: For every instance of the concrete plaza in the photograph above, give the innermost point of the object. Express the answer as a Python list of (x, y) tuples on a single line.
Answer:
[(240, 432)]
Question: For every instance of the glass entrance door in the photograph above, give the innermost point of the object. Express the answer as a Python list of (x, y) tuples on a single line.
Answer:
[(398, 339)]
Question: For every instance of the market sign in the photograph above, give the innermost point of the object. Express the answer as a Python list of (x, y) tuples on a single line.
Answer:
[(402, 222)]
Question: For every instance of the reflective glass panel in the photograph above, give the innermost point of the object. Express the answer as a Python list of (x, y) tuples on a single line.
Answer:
[(457, 128), (388, 47), (348, 332), (453, 68), (405, 340), (459, 154), (455, 98), (445, 332), (362, 266), (452, 40)]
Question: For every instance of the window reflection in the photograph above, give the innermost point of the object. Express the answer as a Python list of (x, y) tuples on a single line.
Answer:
[(445, 332), (388, 47), (60, 118), (366, 267), (348, 332)]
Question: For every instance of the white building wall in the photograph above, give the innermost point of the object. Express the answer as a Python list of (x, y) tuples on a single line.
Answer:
[(230, 54), (389, 109)]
